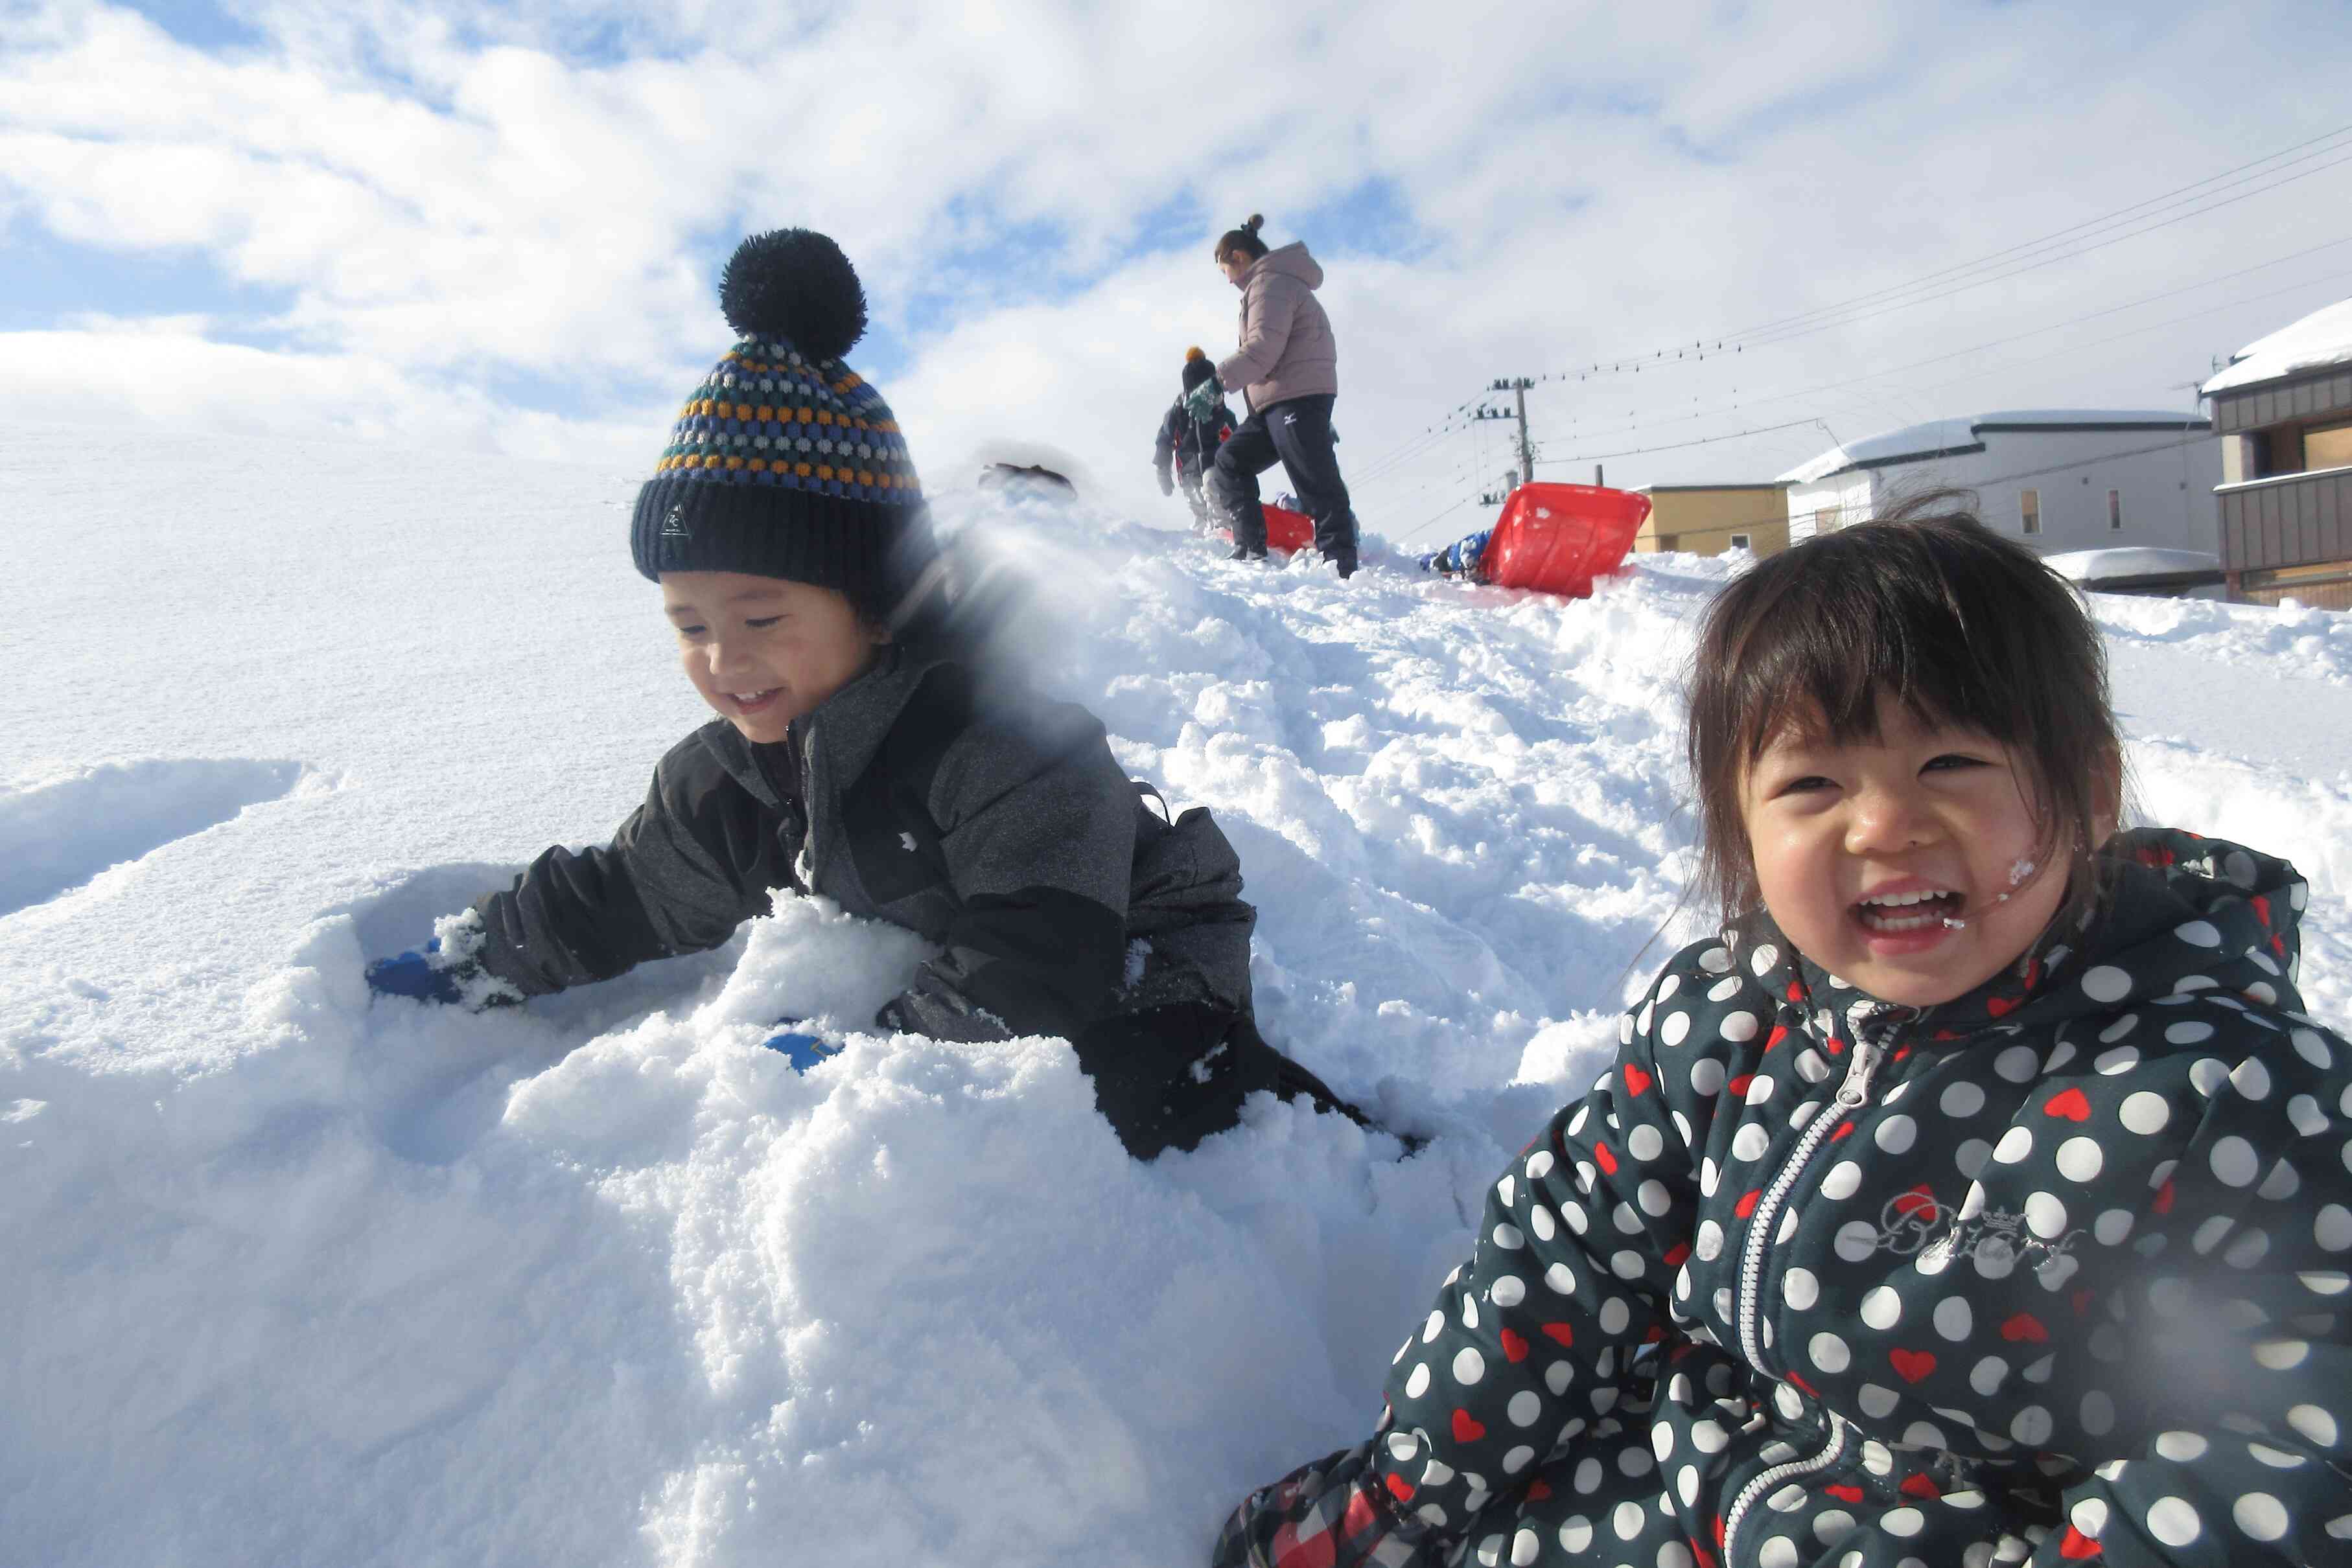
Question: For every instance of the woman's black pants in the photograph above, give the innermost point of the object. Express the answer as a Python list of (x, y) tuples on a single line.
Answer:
[(1296, 432)]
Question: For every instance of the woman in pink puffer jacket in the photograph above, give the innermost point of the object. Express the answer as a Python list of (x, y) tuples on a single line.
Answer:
[(1288, 370)]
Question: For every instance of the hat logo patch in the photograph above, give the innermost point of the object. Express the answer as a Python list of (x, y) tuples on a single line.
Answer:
[(674, 525)]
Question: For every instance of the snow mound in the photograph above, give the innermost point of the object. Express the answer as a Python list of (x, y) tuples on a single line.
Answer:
[(301, 1276), (2135, 560)]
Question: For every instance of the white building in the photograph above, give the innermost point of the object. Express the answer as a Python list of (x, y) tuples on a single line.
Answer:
[(2058, 479)]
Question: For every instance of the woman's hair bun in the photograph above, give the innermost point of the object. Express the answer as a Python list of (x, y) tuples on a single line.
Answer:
[(794, 284), (1257, 222)]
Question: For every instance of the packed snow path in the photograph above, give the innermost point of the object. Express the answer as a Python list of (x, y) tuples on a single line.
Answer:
[(294, 1277)]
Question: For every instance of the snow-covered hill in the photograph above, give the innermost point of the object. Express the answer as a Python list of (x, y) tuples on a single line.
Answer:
[(297, 1277)]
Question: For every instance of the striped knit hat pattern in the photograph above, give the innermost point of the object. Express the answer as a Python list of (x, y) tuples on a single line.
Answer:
[(784, 462)]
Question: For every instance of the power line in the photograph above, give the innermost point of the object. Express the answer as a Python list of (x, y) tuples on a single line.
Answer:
[(1675, 445), (1819, 387), (1946, 281)]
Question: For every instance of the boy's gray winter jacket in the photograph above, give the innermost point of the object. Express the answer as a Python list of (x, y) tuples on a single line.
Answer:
[(1286, 348), (1006, 833)]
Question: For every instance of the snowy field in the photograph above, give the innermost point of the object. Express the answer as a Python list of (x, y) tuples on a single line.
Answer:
[(297, 1277)]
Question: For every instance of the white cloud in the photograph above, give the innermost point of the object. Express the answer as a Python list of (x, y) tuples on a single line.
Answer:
[(451, 199), (163, 371)]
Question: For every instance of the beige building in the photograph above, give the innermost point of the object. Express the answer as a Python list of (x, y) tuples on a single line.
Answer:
[(2283, 406), (1708, 519)]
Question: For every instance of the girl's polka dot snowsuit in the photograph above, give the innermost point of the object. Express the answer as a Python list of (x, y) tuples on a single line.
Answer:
[(2053, 1273)]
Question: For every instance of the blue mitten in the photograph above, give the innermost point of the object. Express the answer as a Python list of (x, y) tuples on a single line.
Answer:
[(414, 974), (802, 1050)]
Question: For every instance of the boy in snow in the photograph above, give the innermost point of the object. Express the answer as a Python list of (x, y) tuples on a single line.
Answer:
[(1977, 1195), (864, 754), (1194, 426)]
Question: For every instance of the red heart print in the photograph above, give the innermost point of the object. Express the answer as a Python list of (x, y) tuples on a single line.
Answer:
[(1607, 1161), (1922, 1486), (1808, 1388), (2076, 1546), (1559, 1335), (1920, 1204), (2072, 1104), (1701, 1556), (1845, 1494), (2162, 1203), (1515, 1349), (1738, 1086), (1399, 1487), (1637, 1083), (2001, 1007), (1538, 1491), (1746, 1205), (2026, 1327), (1467, 1428), (2261, 909), (1845, 1130), (1779, 1032), (1911, 1365), (1677, 1254)]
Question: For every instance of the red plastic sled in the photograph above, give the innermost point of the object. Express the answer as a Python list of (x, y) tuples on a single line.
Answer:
[(1285, 530), (1556, 539)]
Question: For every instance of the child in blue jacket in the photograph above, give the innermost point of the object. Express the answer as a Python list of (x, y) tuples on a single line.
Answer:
[(1194, 426), (1978, 1195)]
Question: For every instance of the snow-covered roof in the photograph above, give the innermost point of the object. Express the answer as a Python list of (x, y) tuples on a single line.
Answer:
[(1949, 437), (2321, 338), (2131, 560)]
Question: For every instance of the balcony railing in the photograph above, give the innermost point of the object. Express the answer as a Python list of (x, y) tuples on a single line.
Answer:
[(2287, 519)]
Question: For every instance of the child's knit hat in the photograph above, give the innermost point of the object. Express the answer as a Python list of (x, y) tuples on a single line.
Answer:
[(1197, 368), (784, 463)]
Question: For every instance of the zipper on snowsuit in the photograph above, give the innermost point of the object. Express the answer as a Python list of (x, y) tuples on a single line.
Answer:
[(1869, 1050)]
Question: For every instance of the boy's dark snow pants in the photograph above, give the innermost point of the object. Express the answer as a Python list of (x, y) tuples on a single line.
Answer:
[(1160, 1089), (1296, 433)]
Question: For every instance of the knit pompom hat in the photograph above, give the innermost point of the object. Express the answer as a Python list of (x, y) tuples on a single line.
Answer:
[(1197, 368), (785, 463)]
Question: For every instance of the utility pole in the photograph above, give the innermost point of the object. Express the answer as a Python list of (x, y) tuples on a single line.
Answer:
[(1517, 385)]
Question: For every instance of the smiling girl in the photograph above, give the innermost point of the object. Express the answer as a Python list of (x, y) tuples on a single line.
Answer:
[(1978, 1195)]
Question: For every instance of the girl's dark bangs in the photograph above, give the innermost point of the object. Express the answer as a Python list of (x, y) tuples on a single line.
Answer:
[(1817, 670)]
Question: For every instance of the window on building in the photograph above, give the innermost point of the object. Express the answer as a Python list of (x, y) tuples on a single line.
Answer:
[(2115, 511), (2329, 448), (2028, 509), (1739, 541), (1825, 520)]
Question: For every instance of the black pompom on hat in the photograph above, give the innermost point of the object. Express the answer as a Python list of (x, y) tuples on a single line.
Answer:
[(785, 463)]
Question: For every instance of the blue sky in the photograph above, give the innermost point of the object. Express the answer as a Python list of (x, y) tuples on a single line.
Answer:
[(432, 223)]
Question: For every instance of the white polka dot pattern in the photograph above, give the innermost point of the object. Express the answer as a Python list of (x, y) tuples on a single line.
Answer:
[(2104, 1214)]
